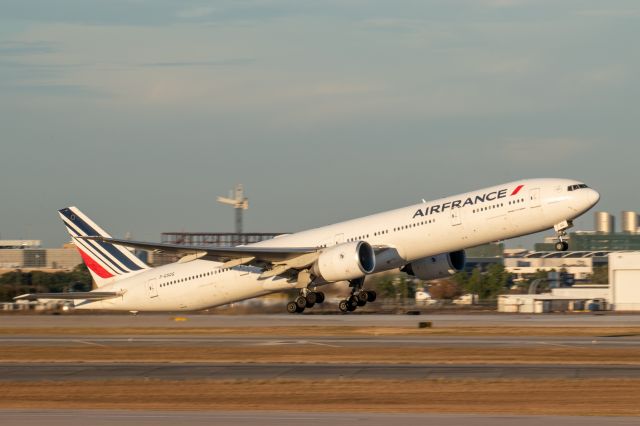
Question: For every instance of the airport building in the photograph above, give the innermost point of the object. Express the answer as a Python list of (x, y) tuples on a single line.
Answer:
[(579, 264), (624, 279), (27, 254)]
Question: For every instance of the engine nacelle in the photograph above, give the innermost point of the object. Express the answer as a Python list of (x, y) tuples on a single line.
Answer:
[(345, 261), (434, 267)]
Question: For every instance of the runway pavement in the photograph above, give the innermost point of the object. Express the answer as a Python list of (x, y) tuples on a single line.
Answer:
[(268, 418), (65, 372), (173, 341), (355, 320), (270, 371)]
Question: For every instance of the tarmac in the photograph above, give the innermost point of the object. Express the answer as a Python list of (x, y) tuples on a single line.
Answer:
[(307, 320), (275, 418), (64, 372), (44, 371), (237, 340)]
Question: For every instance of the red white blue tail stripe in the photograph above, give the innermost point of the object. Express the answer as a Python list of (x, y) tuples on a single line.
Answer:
[(107, 262)]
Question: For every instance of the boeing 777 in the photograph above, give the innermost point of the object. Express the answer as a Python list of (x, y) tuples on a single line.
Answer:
[(425, 240)]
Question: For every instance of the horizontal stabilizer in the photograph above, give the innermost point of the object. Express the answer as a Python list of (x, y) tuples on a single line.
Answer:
[(79, 295)]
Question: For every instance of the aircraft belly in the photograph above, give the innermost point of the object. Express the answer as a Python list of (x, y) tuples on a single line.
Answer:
[(389, 259)]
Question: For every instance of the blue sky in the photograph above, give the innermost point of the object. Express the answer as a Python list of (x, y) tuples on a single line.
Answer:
[(142, 112)]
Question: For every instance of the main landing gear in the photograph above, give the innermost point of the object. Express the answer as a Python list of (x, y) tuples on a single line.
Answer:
[(359, 297), (561, 229), (306, 299)]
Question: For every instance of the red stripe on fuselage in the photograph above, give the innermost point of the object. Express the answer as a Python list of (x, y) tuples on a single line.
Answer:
[(94, 266), (518, 188)]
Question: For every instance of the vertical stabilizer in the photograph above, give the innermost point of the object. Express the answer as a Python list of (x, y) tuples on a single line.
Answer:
[(106, 262)]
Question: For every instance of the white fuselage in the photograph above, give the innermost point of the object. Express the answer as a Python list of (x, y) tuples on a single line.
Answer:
[(414, 232)]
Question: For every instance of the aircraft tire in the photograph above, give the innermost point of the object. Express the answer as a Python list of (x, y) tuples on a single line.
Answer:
[(319, 297), (292, 307), (343, 306), (301, 301), (371, 296), (362, 298), (353, 301), (312, 298)]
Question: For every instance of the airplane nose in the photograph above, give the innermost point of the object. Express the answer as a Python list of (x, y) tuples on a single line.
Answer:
[(592, 196)]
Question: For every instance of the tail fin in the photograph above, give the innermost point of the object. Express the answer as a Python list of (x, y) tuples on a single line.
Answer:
[(106, 262)]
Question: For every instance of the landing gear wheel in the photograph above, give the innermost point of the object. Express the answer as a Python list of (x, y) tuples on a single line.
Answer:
[(362, 298), (562, 246), (319, 297), (311, 299), (371, 296), (299, 310), (343, 306), (301, 301), (292, 307), (353, 302)]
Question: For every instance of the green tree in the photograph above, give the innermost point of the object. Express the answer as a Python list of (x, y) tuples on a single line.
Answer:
[(497, 280), (600, 275), (461, 278), (18, 282), (475, 282), (405, 287), (489, 284), (384, 286)]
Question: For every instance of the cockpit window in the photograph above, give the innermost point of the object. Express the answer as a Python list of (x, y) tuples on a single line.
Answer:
[(576, 187)]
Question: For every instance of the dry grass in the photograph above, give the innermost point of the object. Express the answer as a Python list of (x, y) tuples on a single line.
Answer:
[(304, 353), (552, 397), (323, 331)]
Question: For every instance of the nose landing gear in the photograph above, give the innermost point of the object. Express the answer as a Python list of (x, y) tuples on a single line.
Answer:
[(561, 229)]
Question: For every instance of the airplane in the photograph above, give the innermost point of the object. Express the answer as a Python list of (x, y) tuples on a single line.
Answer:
[(425, 240)]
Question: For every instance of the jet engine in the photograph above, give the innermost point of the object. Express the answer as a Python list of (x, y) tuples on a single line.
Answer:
[(345, 261), (439, 266)]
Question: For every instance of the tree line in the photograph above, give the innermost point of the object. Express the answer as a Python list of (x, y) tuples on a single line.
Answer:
[(15, 283)]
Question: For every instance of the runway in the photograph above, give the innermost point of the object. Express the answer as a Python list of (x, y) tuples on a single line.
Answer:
[(606, 341), (217, 359), (272, 371), (307, 320), (251, 418)]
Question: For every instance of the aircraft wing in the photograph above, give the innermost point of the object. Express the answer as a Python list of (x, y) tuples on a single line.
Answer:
[(78, 295), (277, 260), (224, 254)]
